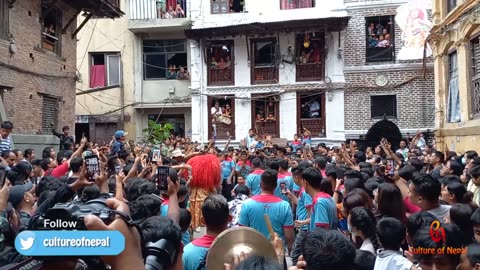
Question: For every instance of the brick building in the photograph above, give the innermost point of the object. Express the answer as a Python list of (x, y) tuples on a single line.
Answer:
[(377, 82), (38, 64)]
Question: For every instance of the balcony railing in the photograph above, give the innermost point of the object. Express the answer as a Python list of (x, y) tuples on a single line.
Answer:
[(315, 125), (476, 95), (310, 72), (153, 9), (221, 76), (294, 4), (265, 75)]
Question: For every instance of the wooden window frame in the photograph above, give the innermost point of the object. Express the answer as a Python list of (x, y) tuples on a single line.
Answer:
[(254, 81), (256, 125), (4, 20), (299, 40), (322, 120), (378, 117), (231, 43), (231, 127), (371, 52), (57, 45), (105, 55)]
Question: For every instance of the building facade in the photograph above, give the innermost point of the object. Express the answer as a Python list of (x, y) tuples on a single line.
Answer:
[(455, 43), (126, 79), (161, 69), (378, 83), (104, 91), (38, 65), (273, 66)]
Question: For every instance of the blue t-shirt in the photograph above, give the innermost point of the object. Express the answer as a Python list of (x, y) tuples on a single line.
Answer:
[(196, 252), (279, 211), (304, 200), (227, 167), (164, 208), (253, 182), (243, 171), (186, 238), (283, 181), (324, 212), (296, 188)]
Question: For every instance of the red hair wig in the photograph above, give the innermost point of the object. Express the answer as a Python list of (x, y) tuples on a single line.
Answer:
[(205, 171)]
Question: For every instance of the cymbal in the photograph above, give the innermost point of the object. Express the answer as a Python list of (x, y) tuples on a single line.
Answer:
[(234, 241)]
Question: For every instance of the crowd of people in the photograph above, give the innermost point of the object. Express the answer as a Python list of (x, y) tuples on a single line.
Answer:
[(343, 207)]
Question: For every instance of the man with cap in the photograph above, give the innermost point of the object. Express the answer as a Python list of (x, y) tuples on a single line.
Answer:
[(119, 143), (22, 199)]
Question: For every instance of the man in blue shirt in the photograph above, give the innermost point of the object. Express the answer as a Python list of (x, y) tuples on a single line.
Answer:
[(228, 169), (302, 222), (119, 143), (279, 211), (324, 210), (284, 181), (253, 179), (216, 216)]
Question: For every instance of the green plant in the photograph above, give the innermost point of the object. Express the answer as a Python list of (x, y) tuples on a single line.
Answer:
[(157, 133)]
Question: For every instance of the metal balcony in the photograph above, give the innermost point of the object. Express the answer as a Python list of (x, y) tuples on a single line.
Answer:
[(150, 15)]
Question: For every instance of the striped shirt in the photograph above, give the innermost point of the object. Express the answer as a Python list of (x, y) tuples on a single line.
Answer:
[(5, 144)]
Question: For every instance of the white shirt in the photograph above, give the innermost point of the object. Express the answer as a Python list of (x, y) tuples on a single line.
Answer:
[(368, 246), (391, 260), (215, 111)]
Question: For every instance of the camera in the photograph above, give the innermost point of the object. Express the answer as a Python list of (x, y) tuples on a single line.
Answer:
[(71, 215), (159, 255)]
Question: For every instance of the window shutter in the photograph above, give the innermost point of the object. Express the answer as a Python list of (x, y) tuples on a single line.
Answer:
[(476, 56), (49, 114)]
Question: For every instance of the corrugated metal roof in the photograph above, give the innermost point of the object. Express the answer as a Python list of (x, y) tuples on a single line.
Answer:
[(240, 19)]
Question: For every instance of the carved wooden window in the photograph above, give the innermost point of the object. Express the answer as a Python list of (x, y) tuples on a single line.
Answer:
[(264, 61), (311, 113), (265, 116), (221, 117), (310, 57), (220, 62)]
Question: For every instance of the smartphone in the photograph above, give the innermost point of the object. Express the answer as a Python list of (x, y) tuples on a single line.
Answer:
[(93, 167), (283, 188), (118, 169), (391, 167), (162, 175), (156, 155)]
